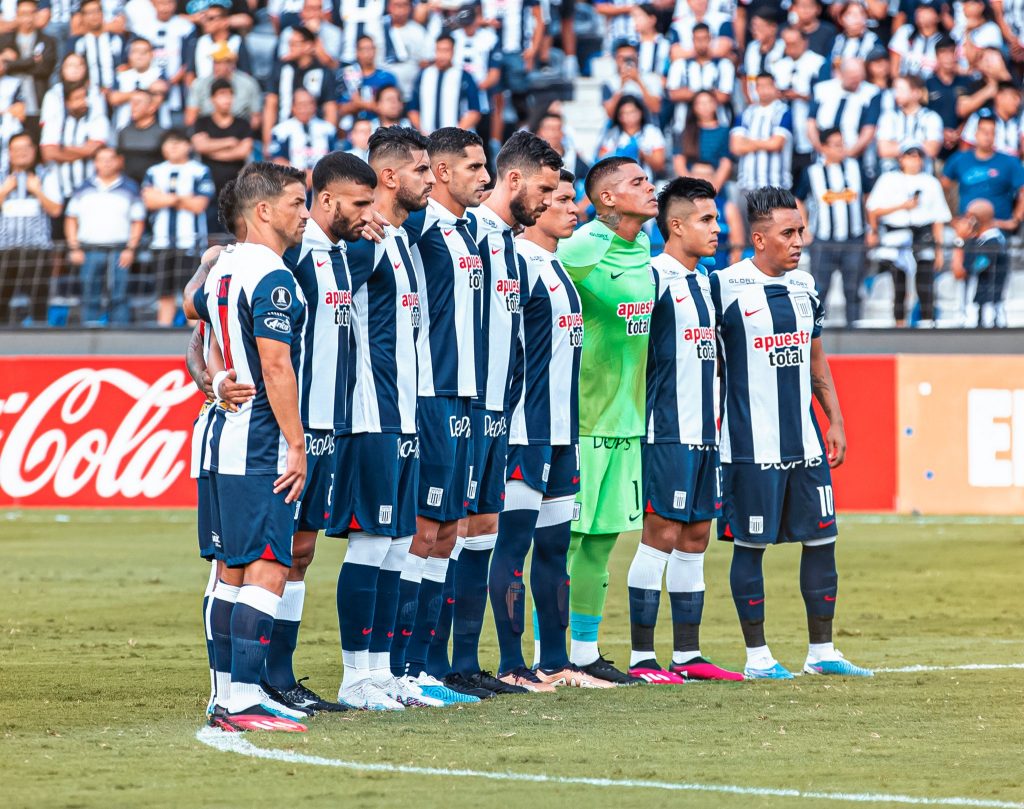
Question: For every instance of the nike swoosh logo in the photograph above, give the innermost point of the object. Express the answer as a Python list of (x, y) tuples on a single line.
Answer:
[(753, 602), (320, 263), (406, 633), (826, 524), (517, 573), (449, 600), (367, 631), (554, 288), (391, 634), (264, 640), (575, 480), (633, 517), (680, 300), (830, 598), (615, 275), (718, 504), (748, 313), (397, 264), (447, 232), (495, 251)]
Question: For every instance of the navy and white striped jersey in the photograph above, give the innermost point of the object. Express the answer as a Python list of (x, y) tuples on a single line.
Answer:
[(302, 145), (835, 200), (478, 53), (547, 412), (921, 125), (500, 308), (755, 63), (1008, 133), (200, 443), (449, 277), (128, 80), (719, 25), (442, 98), (765, 327), (516, 18), (358, 18), (799, 75), (916, 51), (250, 294), (62, 129), (653, 55), (103, 54), (325, 386), (846, 47), (385, 327), (198, 53), (317, 79), (1013, 13), (847, 111), (168, 41), (761, 168), (682, 358), (179, 228), (714, 74)]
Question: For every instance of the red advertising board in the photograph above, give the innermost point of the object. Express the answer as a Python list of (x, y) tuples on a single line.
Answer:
[(867, 394), (96, 431)]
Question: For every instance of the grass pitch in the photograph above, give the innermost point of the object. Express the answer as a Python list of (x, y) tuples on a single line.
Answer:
[(103, 681)]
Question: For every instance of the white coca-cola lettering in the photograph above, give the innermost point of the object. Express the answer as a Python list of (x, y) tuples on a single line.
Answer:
[(138, 460)]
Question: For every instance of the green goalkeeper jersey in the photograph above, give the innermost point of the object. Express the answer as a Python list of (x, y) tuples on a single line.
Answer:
[(616, 290)]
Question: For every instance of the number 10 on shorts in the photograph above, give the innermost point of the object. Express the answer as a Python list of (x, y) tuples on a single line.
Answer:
[(828, 506)]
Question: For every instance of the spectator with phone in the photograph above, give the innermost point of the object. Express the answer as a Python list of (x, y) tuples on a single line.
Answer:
[(629, 81)]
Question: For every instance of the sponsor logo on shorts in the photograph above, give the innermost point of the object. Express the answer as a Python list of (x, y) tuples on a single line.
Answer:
[(612, 443), (319, 445), (215, 539), (809, 463), (495, 427), (545, 472), (459, 427), (679, 499), (637, 315), (575, 512), (471, 489), (409, 447), (384, 515), (756, 525), (434, 496), (278, 324)]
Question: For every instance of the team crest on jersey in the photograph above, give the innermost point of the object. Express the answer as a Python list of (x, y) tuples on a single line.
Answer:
[(411, 301), (340, 300), (637, 315), (572, 323), (509, 287), (784, 350), (281, 297), (803, 305)]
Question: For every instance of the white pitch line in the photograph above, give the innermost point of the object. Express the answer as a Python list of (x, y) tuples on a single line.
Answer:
[(965, 667), (236, 743)]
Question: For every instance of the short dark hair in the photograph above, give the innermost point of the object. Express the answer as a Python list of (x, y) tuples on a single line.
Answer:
[(764, 201), (361, 37), (342, 166), (701, 26), (765, 75), (85, 3), (227, 208), (445, 38), (828, 133), (688, 188), (603, 169), (1007, 85), (72, 86), (395, 141), (143, 40), (305, 33), (648, 9), (566, 176), (174, 134), (381, 90), (220, 84), (262, 181), (452, 140), (528, 153), (945, 43), (767, 14)]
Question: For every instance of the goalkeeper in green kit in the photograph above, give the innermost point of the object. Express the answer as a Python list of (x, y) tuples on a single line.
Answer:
[(609, 259)]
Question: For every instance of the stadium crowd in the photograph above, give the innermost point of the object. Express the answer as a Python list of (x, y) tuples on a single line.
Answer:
[(897, 123)]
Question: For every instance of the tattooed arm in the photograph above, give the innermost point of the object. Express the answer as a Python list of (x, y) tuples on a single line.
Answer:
[(825, 392), (196, 363)]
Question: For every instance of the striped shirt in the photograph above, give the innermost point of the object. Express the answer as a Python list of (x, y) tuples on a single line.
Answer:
[(1008, 134), (755, 62), (714, 74), (848, 111), (449, 278), (516, 18), (1013, 13), (653, 55), (547, 412), (302, 145), (316, 79), (385, 329), (128, 80), (682, 357), (250, 294), (478, 54), (23, 222), (103, 53), (916, 51), (360, 18), (799, 75), (61, 129), (500, 307), (719, 25), (442, 98), (321, 270), (168, 41), (179, 228), (761, 168), (922, 125), (846, 47), (9, 127), (765, 328), (835, 200), (199, 50)]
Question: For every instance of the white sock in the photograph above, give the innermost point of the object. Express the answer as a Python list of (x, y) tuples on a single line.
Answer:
[(817, 652), (291, 601), (357, 667), (583, 652), (645, 573), (760, 657), (412, 568), (380, 667), (246, 695), (685, 574), (536, 653), (435, 569)]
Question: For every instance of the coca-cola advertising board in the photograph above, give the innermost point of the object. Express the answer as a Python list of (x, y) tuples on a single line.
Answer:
[(96, 431)]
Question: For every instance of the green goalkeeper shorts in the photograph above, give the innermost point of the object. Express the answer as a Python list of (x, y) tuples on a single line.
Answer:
[(609, 501)]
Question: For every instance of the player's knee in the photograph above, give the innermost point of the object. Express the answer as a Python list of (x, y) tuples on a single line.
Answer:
[(694, 537), (266, 574), (480, 524), (659, 533)]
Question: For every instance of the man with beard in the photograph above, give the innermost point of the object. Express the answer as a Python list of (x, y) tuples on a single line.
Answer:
[(343, 191), (609, 259), (377, 467)]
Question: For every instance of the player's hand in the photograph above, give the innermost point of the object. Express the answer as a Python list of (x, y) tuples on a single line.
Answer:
[(871, 238), (957, 268), (233, 393), (294, 478), (208, 385), (77, 257), (835, 445), (374, 231), (910, 204), (940, 258)]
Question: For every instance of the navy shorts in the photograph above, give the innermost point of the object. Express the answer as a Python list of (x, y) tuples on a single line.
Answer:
[(316, 498), (444, 427), (774, 503), (204, 519), (552, 470), (250, 520), (376, 482), (486, 491), (682, 482)]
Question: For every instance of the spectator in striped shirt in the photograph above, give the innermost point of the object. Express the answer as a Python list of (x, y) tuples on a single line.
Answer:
[(1005, 111), (911, 120), (300, 69), (71, 138), (104, 51), (1009, 16), (763, 140)]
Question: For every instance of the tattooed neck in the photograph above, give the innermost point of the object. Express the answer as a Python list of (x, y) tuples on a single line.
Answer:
[(610, 220)]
